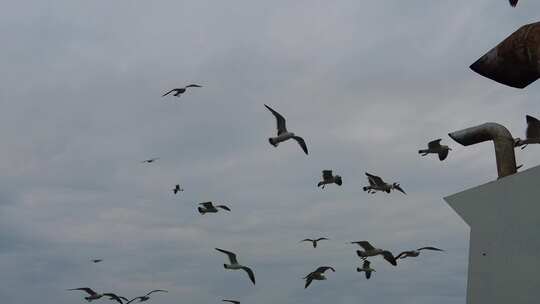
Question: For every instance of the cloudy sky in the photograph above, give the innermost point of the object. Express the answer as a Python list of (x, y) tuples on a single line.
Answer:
[(366, 83)]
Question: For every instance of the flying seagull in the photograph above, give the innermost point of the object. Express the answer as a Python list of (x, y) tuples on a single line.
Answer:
[(235, 266), (370, 251), (366, 268), (96, 260), (177, 189), (231, 301), (146, 297), (283, 134), (436, 148), (318, 275), (150, 160), (314, 241), (92, 295), (415, 253), (532, 133), (179, 91), (329, 178), (377, 184), (208, 207), (513, 3)]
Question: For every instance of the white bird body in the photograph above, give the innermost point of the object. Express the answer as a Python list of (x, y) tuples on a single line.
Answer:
[(280, 138)]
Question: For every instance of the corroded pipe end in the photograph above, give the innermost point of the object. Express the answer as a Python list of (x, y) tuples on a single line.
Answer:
[(502, 140)]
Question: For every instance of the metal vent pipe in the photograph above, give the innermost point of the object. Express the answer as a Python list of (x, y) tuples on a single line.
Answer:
[(502, 140)]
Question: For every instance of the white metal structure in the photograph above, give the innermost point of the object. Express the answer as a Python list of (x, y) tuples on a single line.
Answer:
[(504, 253)]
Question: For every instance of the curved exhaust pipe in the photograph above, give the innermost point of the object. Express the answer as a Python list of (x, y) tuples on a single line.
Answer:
[(502, 140)]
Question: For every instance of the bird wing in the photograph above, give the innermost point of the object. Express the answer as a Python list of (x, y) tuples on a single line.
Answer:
[(88, 290), (281, 128), (374, 180), (443, 154), (156, 290), (402, 255), (387, 255), (306, 240), (193, 86), (513, 3), (322, 269), (320, 239), (533, 127), (112, 296), (430, 248), (231, 255), (231, 301), (207, 204), (309, 279), (250, 273), (137, 298), (398, 188), (364, 244), (434, 143), (302, 143), (168, 92), (327, 174), (223, 207)]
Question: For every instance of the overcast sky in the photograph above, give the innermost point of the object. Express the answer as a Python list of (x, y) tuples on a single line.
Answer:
[(366, 83)]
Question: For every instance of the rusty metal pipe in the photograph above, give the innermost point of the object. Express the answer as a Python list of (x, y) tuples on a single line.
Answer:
[(502, 140)]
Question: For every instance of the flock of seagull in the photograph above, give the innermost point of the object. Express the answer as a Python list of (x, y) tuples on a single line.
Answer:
[(376, 184)]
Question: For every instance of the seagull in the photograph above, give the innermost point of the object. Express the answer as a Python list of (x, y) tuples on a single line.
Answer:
[(415, 253), (318, 274), (532, 133), (92, 294), (283, 134), (177, 189), (95, 296), (366, 268), (314, 241), (151, 160), (329, 178), (513, 3), (146, 297), (436, 147), (377, 184), (208, 207), (179, 91), (372, 251), (235, 266), (231, 301), (96, 260)]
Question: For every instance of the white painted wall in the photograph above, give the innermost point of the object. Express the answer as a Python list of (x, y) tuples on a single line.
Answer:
[(504, 257)]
